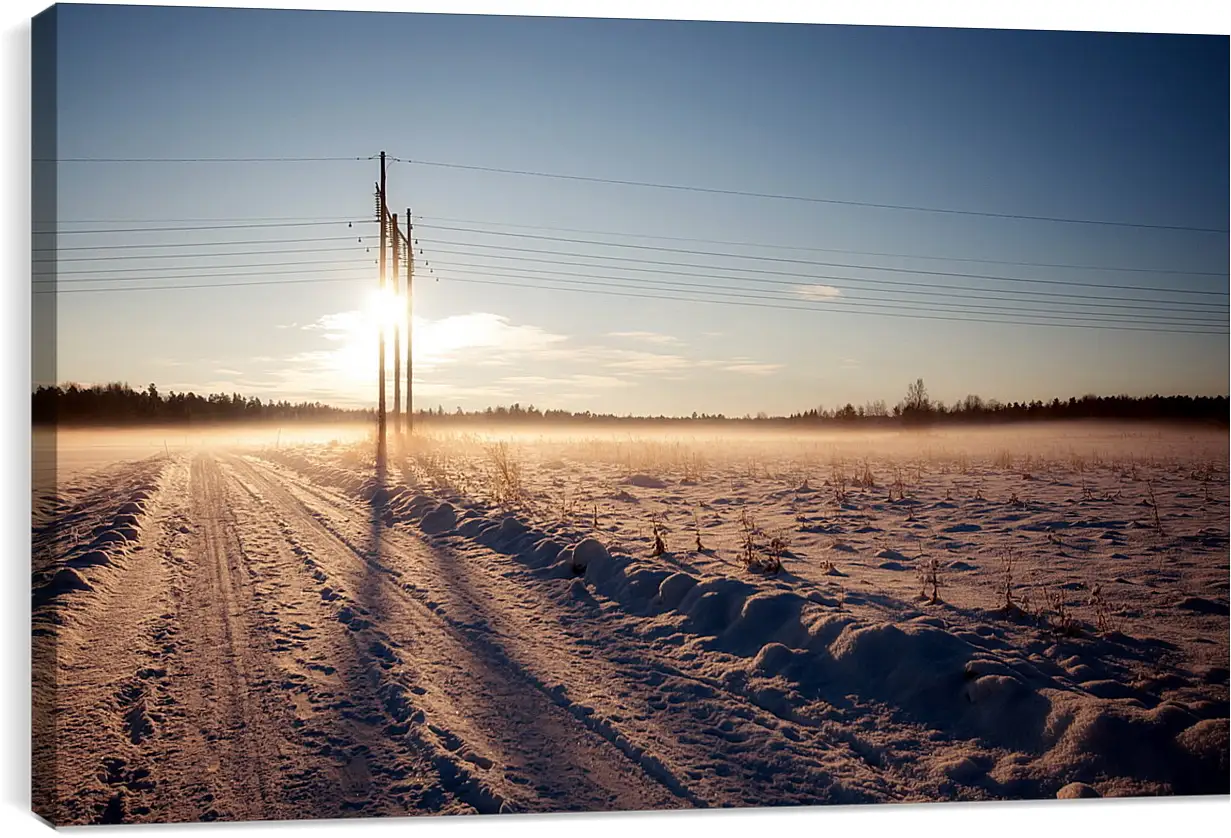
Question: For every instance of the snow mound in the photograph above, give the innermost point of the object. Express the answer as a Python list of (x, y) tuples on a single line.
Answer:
[(472, 527), (712, 606), (773, 658), (963, 770), (545, 552), (645, 481), (65, 581), (674, 588), (418, 506), (1166, 746), (90, 558), (1075, 791), (441, 519), (638, 589), (1201, 605), (589, 553), (765, 617), (507, 536), (1207, 742), (132, 507)]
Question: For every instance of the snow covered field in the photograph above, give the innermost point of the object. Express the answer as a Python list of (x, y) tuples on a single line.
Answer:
[(590, 620)]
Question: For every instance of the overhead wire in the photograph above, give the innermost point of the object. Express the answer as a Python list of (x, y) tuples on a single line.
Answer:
[(814, 263), (811, 199), (841, 302), (797, 285), (767, 246), (653, 185), (830, 310), (708, 274)]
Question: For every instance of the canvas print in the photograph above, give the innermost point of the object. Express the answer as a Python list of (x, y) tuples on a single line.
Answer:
[(451, 414)]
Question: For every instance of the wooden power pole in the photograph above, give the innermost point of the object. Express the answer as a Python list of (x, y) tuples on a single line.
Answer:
[(397, 347), (410, 321), (384, 233)]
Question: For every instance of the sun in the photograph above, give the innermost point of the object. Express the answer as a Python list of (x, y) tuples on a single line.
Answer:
[(384, 308), (354, 340)]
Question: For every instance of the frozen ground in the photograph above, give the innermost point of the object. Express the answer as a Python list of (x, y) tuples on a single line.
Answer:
[(281, 632)]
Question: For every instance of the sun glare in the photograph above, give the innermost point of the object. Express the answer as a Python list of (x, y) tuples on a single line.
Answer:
[(355, 337), (385, 308)]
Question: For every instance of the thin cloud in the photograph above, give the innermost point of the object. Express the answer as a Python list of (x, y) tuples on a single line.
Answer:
[(647, 362), (817, 292), (647, 337), (753, 369), (599, 381)]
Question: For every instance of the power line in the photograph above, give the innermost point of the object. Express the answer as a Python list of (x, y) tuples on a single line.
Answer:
[(690, 299), (327, 221), (278, 264), (822, 264), (708, 274), (995, 294), (784, 260), (215, 220), (200, 286), (652, 185), (1066, 266), (840, 302), (193, 244), (811, 199), (204, 276), (275, 252), (200, 159), (830, 309), (348, 222), (354, 265)]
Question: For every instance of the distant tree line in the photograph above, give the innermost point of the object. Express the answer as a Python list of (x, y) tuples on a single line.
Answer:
[(919, 409), (120, 404), (916, 409)]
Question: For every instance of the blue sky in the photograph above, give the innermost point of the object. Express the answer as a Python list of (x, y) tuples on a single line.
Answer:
[(1125, 128)]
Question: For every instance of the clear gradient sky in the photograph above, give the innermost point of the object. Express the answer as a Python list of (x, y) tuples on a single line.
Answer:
[(1116, 127)]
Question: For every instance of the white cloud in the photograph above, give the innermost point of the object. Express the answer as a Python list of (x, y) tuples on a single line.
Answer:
[(647, 362), (600, 381), (648, 337), (753, 369), (528, 380), (817, 292)]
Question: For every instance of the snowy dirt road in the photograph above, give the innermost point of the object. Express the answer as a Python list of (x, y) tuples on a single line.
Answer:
[(259, 648), (221, 636)]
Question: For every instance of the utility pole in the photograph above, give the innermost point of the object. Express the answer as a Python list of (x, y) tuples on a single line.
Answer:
[(397, 347), (384, 233), (410, 321)]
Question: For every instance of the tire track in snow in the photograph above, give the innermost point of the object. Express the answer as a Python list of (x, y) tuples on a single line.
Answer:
[(233, 744), (346, 703), (551, 758), (658, 706)]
